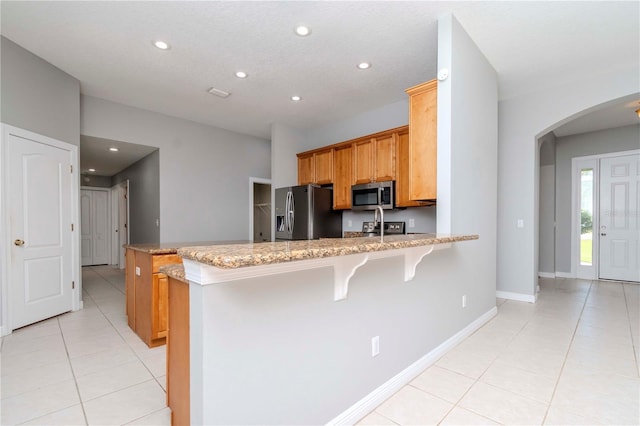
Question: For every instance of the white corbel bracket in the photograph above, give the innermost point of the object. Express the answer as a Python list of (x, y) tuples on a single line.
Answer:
[(413, 256), (343, 270)]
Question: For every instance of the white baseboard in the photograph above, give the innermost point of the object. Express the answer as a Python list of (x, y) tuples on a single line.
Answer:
[(565, 275), (520, 297), (369, 403), (546, 274)]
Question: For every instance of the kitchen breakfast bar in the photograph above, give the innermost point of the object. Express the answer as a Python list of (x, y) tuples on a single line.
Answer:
[(307, 332)]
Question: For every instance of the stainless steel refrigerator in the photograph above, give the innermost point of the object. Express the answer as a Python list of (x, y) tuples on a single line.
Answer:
[(305, 213)]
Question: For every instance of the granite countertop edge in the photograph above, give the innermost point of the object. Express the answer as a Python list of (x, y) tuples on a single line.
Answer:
[(233, 256)]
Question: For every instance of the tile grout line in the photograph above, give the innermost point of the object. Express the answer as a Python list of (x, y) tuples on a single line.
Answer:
[(127, 343), (633, 343), (134, 352), (476, 380), (75, 380), (555, 388)]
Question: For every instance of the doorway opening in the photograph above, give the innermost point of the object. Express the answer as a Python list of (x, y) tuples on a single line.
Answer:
[(260, 223)]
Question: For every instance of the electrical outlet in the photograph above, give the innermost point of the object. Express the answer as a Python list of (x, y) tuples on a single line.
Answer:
[(520, 223), (375, 345), (137, 271), (464, 300), (412, 223), (349, 223)]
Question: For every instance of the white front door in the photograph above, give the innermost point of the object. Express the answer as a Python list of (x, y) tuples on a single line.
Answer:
[(619, 218), (39, 188)]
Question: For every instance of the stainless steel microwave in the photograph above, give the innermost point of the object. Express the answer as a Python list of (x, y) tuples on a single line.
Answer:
[(369, 195)]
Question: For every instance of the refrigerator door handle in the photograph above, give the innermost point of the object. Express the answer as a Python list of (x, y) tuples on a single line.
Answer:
[(291, 212)]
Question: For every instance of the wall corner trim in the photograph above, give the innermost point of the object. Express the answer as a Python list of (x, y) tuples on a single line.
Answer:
[(546, 274), (520, 297), (367, 404)]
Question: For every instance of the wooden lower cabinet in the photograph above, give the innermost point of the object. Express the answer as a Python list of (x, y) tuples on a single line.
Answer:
[(178, 369), (146, 295)]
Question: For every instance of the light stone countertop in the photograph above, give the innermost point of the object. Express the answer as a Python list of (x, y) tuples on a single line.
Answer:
[(232, 256), (172, 248), (175, 270)]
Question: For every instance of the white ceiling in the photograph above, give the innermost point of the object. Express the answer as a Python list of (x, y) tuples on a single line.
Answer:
[(94, 153), (108, 47)]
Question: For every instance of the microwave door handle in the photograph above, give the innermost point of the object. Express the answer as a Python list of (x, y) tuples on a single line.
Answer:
[(380, 195)]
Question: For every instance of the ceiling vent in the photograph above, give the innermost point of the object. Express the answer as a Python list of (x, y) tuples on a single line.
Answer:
[(218, 92)]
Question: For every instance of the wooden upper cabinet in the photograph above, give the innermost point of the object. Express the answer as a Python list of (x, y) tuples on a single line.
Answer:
[(306, 169), (403, 198), (385, 158), (315, 167), (363, 158), (423, 140), (343, 178), (324, 167)]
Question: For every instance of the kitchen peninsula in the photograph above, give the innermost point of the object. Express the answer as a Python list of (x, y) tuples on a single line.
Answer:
[(281, 333)]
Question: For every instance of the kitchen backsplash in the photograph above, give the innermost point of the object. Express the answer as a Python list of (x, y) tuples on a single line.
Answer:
[(424, 219)]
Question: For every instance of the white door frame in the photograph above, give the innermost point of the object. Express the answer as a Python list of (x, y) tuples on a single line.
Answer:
[(253, 180), (577, 164), (5, 248)]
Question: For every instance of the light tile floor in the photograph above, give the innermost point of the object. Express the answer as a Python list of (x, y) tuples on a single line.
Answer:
[(571, 358), (84, 367)]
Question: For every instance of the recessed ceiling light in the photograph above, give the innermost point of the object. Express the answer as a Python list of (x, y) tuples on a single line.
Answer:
[(114, 149), (162, 45), (296, 98), (242, 74), (303, 31), (364, 65), (92, 170)]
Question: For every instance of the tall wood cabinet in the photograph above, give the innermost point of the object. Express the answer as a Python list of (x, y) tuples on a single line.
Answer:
[(423, 123)]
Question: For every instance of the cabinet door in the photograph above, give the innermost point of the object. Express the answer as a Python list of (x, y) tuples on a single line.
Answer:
[(343, 161), (363, 154), (423, 141), (306, 169), (160, 308), (324, 167), (385, 158), (403, 198)]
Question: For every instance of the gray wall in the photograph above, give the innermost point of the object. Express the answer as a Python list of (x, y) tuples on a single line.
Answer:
[(95, 180), (37, 96), (547, 237), (593, 143), (144, 198), (204, 171)]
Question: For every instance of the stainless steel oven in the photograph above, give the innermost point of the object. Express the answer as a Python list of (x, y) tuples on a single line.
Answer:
[(369, 195)]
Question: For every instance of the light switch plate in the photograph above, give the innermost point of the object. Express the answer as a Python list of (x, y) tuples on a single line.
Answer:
[(137, 271), (520, 223)]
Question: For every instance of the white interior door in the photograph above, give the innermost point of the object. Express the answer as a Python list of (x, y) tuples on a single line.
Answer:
[(96, 243), (86, 228), (39, 189), (619, 222)]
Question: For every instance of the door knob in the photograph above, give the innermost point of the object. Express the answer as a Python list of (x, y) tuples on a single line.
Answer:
[(19, 243)]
